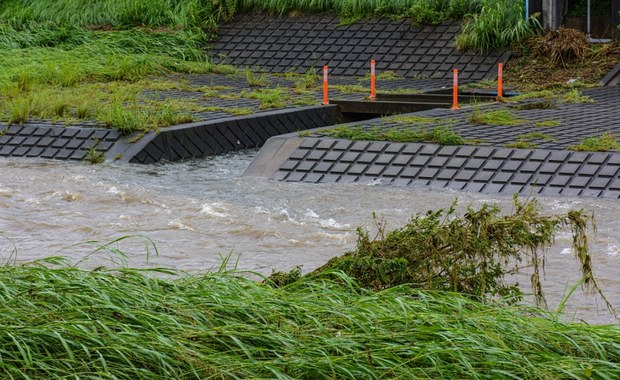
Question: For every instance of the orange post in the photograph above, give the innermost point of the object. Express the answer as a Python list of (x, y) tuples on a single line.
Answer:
[(500, 80), (325, 86), (373, 80), (455, 90)]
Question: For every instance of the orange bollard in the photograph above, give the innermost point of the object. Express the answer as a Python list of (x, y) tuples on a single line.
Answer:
[(325, 86), (500, 80), (373, 80), (455, 90)]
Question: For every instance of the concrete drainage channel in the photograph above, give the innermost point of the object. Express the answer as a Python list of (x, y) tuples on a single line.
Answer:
[(392, 104)]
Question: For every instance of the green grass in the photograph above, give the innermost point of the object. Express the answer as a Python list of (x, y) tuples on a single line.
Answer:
[(536, 136), (65, 48), (60, 322), (421, 11), (541, 94), (152, 13), (548, 123), (467, 253), (441, 134), (255, 80), (498, 24), (94, 156), (268, 98), (525, 141), (606, 142), (62, 50), (415, 119), (494, 117), (135, 324), (542, 105), (574, 96), (521, 144)]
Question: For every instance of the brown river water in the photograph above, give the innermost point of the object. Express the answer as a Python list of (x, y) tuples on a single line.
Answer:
[(196, 212)]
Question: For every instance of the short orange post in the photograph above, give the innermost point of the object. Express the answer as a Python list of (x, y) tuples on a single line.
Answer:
[(500, 80), (373, 80), (325, 86), (455, 90)]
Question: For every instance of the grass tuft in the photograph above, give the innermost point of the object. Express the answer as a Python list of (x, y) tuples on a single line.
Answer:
[(548, 123), (495, 117), (442, 135), (604, 143)]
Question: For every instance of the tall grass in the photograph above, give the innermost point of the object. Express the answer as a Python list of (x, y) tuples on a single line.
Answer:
[(64, 49), (126, 13), (498, 24), (135, 324), (421, 11)]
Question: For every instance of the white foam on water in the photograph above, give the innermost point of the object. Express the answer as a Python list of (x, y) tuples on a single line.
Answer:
[(342, 238), (261, 210), (178, 225), (374, 182), (283, 215), (560, 205), (311, 214), (114, 190), (613, 250), (331, 224), (216, 210)]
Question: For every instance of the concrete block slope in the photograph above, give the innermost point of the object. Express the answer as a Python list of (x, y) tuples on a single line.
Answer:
[(299, 43)]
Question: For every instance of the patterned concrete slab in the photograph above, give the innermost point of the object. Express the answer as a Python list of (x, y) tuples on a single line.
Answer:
[(489, 167), (612, 77), (299, 43), (477, 169), (54, 142)]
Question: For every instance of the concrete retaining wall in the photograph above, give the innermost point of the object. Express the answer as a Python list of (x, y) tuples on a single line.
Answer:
[(170, 144)]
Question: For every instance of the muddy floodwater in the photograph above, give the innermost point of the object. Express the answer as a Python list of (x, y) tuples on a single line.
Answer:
[(196, 212)]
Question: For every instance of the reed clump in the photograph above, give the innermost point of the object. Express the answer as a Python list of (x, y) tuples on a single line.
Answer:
[(466, 253)]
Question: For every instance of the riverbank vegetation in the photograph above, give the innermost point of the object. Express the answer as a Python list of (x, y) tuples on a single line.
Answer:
[(74, 61), (128, 324), (121, 323)]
